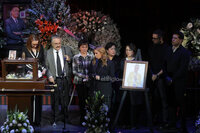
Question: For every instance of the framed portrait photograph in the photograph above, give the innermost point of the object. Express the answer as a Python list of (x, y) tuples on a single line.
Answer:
[(134, 76), (12, 54)]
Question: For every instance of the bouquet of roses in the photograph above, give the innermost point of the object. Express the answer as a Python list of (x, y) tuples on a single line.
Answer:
[(17, 122), (97, 27), (85, 21)]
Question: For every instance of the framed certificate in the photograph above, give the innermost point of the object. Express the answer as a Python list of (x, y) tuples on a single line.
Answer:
[(134, 76)]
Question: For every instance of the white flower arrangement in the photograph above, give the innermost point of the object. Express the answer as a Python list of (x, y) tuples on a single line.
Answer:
[(191, 33), (96, 119), (17, 122), (14, 76)]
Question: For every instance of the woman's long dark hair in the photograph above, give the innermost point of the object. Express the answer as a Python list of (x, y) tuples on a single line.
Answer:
[(132, 47)]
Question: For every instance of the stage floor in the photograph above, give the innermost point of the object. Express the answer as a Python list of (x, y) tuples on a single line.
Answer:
[(73, 126)]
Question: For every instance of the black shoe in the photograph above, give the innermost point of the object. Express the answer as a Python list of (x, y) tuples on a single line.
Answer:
[(168, 128), (163, 126), (183, 130)]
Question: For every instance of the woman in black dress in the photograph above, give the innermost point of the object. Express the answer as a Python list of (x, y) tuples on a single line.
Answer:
[(34, 49), (111, 51), (101, 73)]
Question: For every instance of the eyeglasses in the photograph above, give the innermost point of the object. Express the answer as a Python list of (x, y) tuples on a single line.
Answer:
[(155, 38)]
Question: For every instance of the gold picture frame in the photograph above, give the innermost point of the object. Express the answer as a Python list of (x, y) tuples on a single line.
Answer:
[(134, 76)]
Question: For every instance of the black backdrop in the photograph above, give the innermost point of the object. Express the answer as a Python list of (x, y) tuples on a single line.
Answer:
[(136, 19)]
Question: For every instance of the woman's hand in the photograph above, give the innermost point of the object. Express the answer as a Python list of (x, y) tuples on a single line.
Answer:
[(51, 79), (67, 58), (97, 77), (43, 71)]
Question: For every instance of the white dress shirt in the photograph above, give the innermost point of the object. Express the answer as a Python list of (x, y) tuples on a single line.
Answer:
[(61, 59)]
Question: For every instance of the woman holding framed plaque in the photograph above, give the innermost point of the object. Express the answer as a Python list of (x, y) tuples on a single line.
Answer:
[(136, 97)]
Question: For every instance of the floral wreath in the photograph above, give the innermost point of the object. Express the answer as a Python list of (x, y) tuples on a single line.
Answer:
[(98, 28), (191, 33)]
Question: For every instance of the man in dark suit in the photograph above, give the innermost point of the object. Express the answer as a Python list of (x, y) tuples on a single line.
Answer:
[(14, 28), (58, 63), (177, 61)]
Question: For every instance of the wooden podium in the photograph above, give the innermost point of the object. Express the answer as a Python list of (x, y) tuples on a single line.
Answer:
[(20, 91)]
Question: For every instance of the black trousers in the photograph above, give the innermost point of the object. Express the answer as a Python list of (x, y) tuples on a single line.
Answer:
[(159, 98), (176, 99), (82, 90), (60, 97), (136, 107)]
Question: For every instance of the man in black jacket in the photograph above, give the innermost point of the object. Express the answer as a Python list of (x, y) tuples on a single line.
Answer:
[(156, 62), (177, 61)]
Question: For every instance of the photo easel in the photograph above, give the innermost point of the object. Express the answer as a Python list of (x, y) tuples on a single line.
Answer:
[(141, 70)]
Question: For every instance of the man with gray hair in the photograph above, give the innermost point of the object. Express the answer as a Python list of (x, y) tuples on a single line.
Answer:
[(58, 63)]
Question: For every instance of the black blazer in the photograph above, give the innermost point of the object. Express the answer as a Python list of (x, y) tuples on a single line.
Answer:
[(106, 73), (39, 55), (176, 64)]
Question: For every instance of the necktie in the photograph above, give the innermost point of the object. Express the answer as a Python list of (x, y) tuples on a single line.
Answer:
[(16, 21), (59, 69)]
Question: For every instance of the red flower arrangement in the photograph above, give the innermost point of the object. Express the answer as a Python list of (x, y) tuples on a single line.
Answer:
[(47, 29)]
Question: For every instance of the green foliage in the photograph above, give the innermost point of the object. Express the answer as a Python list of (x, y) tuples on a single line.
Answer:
[(96, 119)]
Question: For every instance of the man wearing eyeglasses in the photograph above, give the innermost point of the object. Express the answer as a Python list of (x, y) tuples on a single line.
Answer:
[(156, 61)]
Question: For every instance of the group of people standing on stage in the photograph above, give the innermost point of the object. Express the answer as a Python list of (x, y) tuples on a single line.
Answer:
[(95, 72)]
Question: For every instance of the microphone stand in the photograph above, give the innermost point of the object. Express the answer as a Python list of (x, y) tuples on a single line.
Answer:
[(62, 88)]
